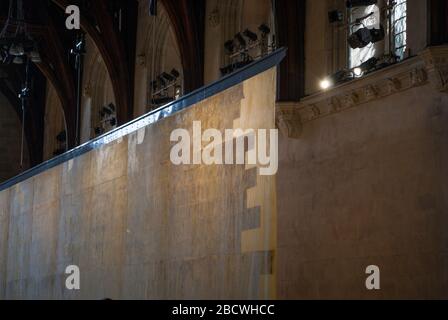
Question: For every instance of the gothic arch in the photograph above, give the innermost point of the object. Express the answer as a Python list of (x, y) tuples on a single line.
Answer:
[(98, 90), (10, 135), (157, 51), (54, 122)]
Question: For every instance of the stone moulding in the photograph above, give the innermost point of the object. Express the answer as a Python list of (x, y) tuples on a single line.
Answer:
[(414, 72), (288, 120), (436, 62)]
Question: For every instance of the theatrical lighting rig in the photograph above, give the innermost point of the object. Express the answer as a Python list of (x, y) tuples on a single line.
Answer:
[(108, 116), (61, 140), (252, 36), (366, 67), (336, 78), (166, 88), (264, 29), (358, 39), (242, 49), (365, 36)]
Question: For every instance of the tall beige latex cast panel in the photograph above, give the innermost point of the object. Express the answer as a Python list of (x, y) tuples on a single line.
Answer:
[(140, 227)]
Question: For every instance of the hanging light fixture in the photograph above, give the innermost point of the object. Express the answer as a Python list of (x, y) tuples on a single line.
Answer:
[(15, 41), (17, 60)]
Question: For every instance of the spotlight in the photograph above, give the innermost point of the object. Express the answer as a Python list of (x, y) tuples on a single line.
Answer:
[(335, 16), (16, 50), (24, 92), (35, 57), (264, 29), (17, 60), (360, 3), (99, 130), (229, 46), (80, 46), (162, 81), (107, 110), (175, 73), (154, 85), (167, 77), (113, 122), (364, 36), (226, 70), (369, 65), (177, 92), (240, 39), (250, 35), (61, 137), (325, 84), (338, 77), (357, 72)]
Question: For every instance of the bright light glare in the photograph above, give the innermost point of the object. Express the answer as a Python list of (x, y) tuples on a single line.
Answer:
[(325, 84), (357, 72)]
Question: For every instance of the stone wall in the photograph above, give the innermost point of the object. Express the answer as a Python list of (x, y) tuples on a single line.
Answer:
[(365, 183)]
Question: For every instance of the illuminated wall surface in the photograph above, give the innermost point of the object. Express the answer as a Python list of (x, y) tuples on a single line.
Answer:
[(140, 227), (362, 186)]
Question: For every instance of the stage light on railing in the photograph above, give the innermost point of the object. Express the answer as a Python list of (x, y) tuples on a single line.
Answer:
[(162, 81), (369, 65), (335, 79), (365, 36), (252, 36), (99, 130), (113, 122), (61, 137), (16, 50), (175, 73), (264, 29), (357, 72), (240, 40), (35, 57), (17, 60), (246, 47), (229, 46), (154, 85), (168, 77)]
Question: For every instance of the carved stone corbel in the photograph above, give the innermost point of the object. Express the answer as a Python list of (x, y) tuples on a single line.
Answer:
[(141, 59), (87, 92), (436, 62), (288, 120)]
